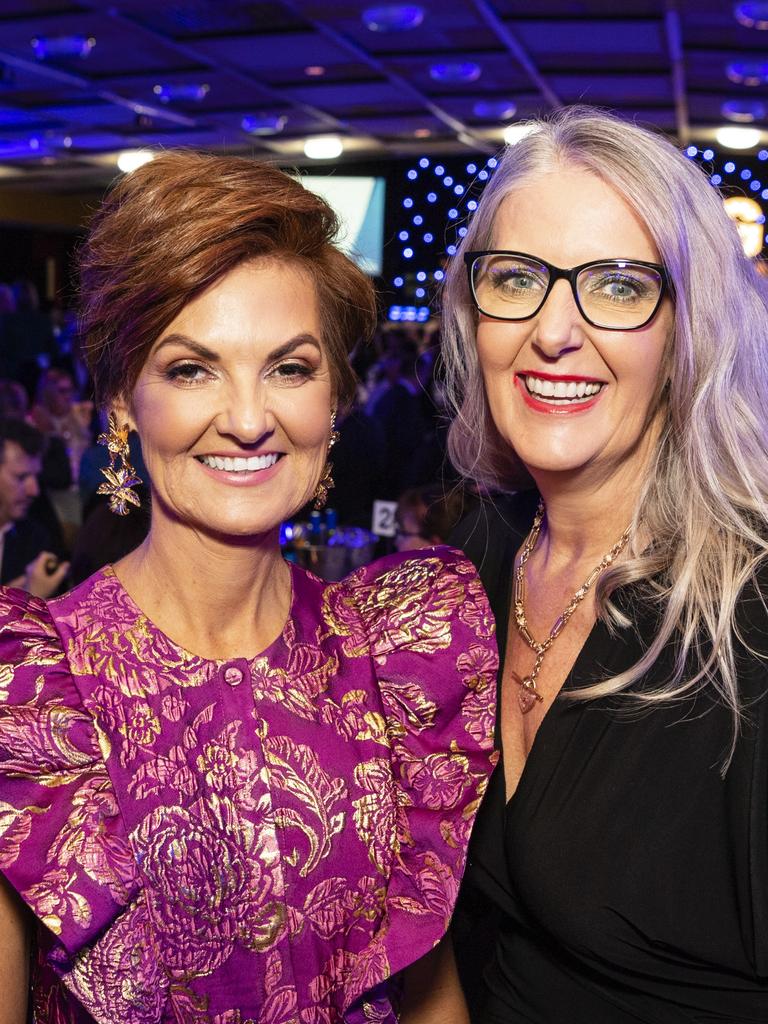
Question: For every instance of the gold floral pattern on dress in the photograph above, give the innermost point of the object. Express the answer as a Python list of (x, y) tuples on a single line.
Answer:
[(259, 842)]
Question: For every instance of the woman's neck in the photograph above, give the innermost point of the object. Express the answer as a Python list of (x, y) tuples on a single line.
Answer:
[(215, 597), (584, 519)]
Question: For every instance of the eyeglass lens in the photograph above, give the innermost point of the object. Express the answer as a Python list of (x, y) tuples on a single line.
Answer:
[(615, 294)]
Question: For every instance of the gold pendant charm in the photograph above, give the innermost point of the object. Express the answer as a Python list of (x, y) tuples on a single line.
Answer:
[(527, 697)]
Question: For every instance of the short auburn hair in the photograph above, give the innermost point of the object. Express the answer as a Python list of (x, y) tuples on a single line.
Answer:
[(172, 228)]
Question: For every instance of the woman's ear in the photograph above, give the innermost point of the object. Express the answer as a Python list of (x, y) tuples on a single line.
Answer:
[(121, 407)]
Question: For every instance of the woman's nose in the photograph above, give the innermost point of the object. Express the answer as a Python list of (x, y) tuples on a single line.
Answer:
[(246, 415), (559, 324)]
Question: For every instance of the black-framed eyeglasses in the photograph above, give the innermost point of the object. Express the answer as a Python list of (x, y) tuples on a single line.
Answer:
[(616, 295)]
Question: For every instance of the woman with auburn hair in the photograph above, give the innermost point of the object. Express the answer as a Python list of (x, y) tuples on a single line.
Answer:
[(604, 328), (230, 792)]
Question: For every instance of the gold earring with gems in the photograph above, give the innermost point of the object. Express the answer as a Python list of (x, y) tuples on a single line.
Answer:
[(120, 474), (320, 497)]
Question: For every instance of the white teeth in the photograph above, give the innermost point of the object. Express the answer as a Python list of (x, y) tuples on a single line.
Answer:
[(239, 464), (562, 391)]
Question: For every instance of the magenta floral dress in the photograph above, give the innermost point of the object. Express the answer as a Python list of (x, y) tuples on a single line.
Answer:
[(266, 840)]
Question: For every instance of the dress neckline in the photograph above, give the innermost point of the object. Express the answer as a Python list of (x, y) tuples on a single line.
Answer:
[(108, 574)]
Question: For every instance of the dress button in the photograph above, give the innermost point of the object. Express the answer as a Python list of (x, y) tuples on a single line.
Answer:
[(233, 675)]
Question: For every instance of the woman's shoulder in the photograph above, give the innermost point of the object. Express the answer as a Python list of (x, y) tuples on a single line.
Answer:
[(62, 841), (422, 600), (494, 525), (28, 637)]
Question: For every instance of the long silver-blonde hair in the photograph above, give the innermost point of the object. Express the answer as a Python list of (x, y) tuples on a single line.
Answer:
[(705, 500)]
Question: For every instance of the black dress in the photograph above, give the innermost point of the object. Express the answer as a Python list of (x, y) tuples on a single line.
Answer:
[(627, 879)]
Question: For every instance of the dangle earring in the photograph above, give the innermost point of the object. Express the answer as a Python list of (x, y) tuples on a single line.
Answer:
[(120, 474), (320, 496)]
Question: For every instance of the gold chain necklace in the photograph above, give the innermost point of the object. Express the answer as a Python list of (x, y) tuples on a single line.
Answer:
[(528, 695)]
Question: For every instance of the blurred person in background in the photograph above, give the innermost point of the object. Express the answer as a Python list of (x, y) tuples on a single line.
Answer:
[(427, 515), (26, 558)]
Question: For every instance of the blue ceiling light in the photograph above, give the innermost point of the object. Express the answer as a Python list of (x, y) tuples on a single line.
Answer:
[(483, 175), (431, 197), (447, 181), (494, 110), (403, 236), (420, 293), (471, 168), (439, 275), (462, 232), (763, 154), (439, 170), (407, 202), (743, 111), (716, 179), (418, 220), (407, 252), (412, 175), (451, 250), (472, 204), (423, 162), (453, 213), (752, 15), (755, 185), (691, 151), (263, 124), (708, 154), (747, 72), (57, 47), (459, 190), (746, 174), (393, 17), (429, 237), (492, 162), (181, 92), (730, 167), (421, 276), (398, 282), (455, 72)]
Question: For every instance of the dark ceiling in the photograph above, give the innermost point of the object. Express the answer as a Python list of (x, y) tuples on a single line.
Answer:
[(63, 118)]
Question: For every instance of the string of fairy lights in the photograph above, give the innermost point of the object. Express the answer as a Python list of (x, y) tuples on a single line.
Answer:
[(442, 195)]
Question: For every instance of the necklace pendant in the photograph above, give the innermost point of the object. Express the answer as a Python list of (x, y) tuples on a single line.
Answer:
[(527, 696)]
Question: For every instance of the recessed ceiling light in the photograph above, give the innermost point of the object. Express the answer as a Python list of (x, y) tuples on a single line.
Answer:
[(455, 71), (181, 92), (495, 110), (131, 159), (323, 147), (747, 72), (743, 111), (264, 124), (393, 17), (515, 132), (735, 137), (752, 15), (314, 70), (47, 47), (422, 133)]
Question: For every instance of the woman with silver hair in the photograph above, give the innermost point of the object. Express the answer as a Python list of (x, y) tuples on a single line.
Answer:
[(606, 340)]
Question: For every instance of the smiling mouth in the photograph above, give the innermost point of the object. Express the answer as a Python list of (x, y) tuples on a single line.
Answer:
[(561, 392), (238, 463)]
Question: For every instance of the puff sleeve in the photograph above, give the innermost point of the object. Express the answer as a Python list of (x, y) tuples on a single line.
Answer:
[(62, 841), (431, 636)]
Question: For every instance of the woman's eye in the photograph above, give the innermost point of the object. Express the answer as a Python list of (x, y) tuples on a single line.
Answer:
[(186, 373), (621, 288), (293, 371), (515, 280)]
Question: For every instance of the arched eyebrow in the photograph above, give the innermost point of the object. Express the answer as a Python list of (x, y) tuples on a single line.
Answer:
[(213, 357)]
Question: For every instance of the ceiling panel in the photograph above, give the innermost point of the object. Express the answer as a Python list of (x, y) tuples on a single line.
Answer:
[(376, 89)]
